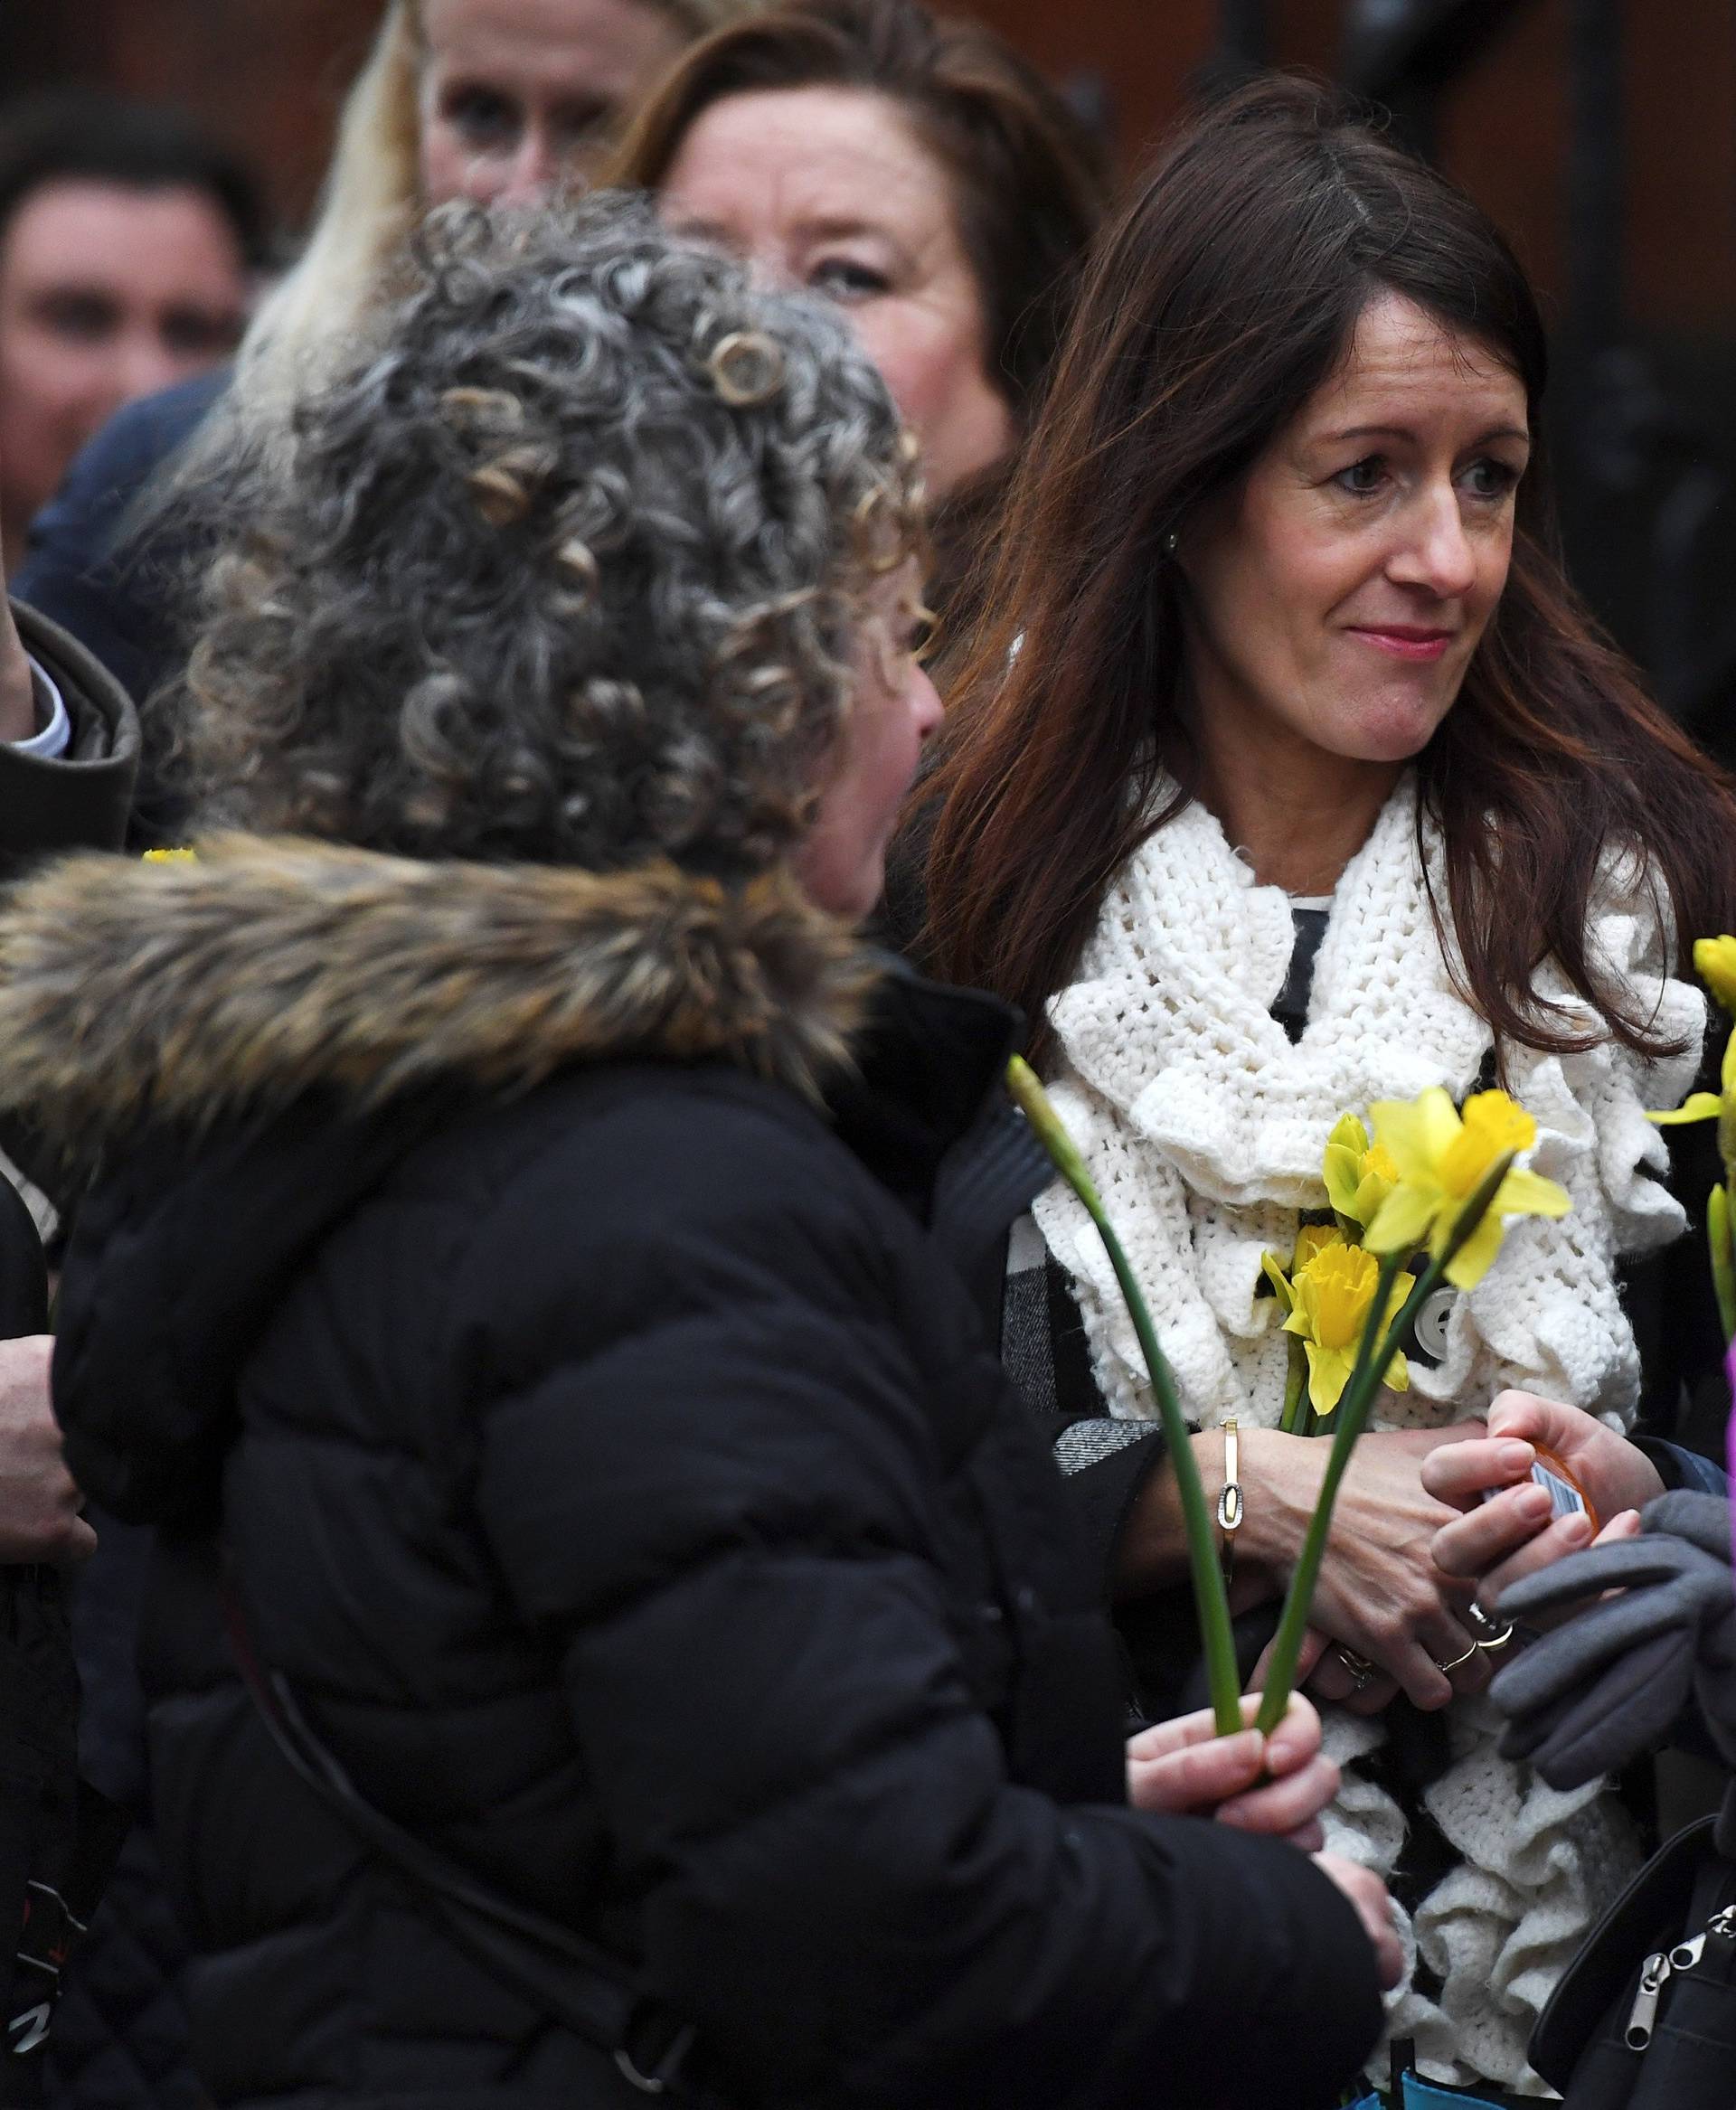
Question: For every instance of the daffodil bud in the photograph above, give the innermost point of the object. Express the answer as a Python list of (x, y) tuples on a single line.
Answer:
[(1714, 960), (1033, 1102)]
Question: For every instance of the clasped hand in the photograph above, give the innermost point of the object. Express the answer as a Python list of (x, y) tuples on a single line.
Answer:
[(39, 1503), (1277, 1785), (1493, 1544), (1381, 1596), (1415, 1546)]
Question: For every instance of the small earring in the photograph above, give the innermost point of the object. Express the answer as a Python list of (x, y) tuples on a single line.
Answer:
[(1172, 543)]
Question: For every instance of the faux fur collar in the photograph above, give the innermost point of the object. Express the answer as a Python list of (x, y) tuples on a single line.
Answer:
[(267, 968)]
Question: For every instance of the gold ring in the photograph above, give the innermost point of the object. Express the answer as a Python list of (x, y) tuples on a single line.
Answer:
[(1497, 1642), (1447, 1670)]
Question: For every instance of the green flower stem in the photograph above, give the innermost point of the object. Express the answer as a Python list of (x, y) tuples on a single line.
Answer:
[(1354, 1410), (1295, 1386), (1211, 1604), (1723, 1259)]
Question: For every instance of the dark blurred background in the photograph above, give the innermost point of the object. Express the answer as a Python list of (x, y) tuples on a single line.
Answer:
[(1601, 133)]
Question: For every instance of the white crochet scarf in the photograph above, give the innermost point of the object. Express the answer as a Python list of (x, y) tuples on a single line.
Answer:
[(1204, 1125)]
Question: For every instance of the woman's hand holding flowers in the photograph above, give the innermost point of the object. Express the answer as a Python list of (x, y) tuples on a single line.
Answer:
[(1493, 1544), (1381, 1594)]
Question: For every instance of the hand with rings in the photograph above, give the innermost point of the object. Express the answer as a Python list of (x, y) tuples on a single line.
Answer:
[(1385, 1617), (1491, 1634), (1489, 1637)]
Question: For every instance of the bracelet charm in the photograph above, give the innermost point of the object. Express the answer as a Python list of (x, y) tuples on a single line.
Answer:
[(1230, 1503)]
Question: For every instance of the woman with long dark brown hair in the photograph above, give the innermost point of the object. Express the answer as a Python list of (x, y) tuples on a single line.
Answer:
[(1288, 775)]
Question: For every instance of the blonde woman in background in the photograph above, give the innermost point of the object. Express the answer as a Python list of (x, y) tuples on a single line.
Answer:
[(497, 100)]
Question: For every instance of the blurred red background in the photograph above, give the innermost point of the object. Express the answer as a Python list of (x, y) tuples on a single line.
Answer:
[(267, 75)]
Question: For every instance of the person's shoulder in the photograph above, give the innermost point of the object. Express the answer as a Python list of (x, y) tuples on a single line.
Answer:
[(143, 434), (658, 1200), (78, 526), (92, 695), (660, 1156)]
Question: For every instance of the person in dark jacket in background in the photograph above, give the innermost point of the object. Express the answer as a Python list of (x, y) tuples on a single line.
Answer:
[(69, 751), (533, 1254)]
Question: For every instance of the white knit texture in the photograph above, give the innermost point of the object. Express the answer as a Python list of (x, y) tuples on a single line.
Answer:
[(1204, 1127)]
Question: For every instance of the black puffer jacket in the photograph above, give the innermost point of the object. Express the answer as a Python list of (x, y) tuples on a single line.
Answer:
[(611, 1457)]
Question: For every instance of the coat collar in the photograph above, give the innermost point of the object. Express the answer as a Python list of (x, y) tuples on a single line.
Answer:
[(245, 1045), (264, 970)]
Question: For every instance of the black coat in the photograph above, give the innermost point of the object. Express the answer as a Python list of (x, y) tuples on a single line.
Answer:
[(611, 1455), (125, 591), (119, 2039), (56, 1841)]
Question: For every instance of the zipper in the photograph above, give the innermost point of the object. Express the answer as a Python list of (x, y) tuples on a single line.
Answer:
[(1720, 1927), (1642, 2017), (1683, 1843)]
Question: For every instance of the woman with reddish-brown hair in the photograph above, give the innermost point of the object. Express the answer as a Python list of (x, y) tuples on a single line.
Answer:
[(1286, 776), (918, 172)]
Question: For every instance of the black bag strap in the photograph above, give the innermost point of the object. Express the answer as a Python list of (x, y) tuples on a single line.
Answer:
[(554, 1969), (1602, 1973)]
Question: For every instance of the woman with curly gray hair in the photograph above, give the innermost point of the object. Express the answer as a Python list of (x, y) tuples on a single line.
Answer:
[(531, 1281)]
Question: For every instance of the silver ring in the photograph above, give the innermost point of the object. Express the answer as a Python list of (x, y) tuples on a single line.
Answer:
[(1492, 1637), (1447, 1670), (1361, 1670)]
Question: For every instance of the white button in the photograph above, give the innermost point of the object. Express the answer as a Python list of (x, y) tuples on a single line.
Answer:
[(1431, 1324)]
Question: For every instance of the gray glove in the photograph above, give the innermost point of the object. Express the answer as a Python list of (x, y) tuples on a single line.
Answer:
[(1596, 1693)]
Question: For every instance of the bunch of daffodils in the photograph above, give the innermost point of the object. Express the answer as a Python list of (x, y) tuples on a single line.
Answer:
[(1715, 960), (1431, 1181)]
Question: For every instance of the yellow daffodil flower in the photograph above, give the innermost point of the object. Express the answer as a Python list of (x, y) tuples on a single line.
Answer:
[(1311, 1240), (1706, 1105), (1442, 1158), (1334, 1300), (1696, 1107), (1359, 1174), (1714, 960), (171, 857)]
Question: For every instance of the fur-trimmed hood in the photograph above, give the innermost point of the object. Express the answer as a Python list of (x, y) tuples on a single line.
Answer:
[(195, 989), (231, 1054)]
